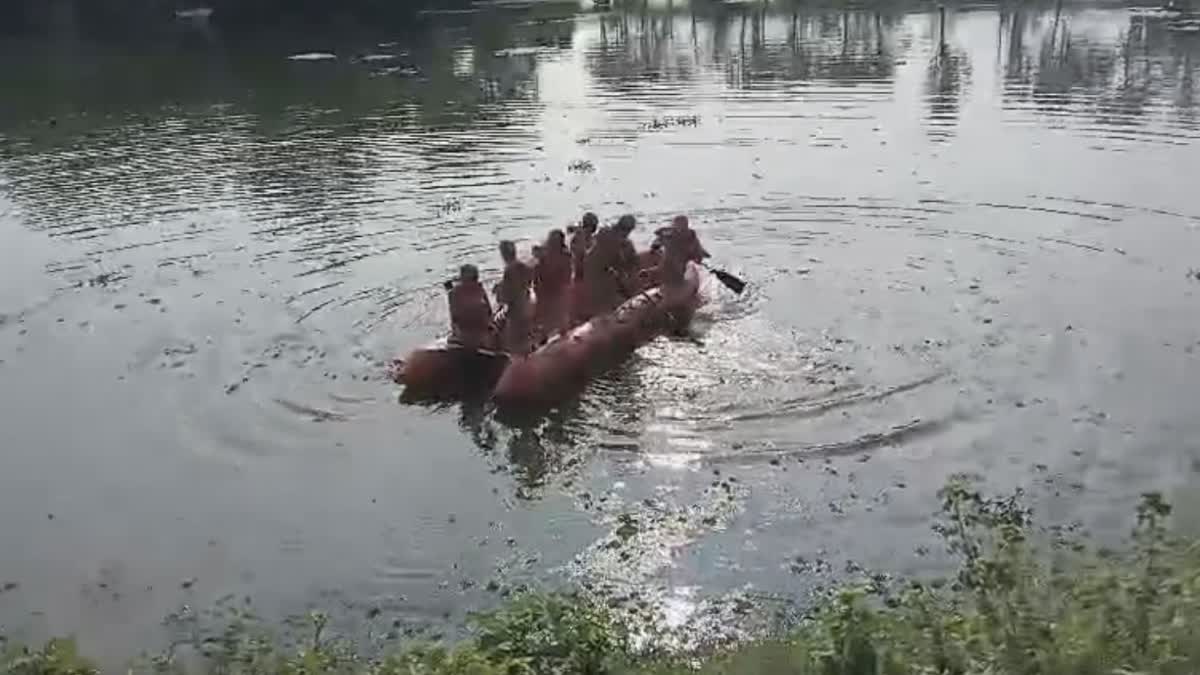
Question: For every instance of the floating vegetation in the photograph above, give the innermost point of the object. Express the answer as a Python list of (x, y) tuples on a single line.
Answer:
[(581, 166), (103, 279), (450, 205), (194, 14), (400, 71), (672, 121), (517, 51), (1025, 599)]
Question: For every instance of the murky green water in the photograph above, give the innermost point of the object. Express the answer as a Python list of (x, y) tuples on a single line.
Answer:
[(969, 258)]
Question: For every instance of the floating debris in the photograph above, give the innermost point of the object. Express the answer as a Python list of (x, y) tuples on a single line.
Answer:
[(517, 51), (672, 121), (1155, 12), (403, 71), (194, 14), (628, 528), (102, 279), (313, 56), (450, 205), (315, 414)]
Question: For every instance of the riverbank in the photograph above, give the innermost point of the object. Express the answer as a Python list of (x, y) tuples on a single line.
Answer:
[(1025, 599)]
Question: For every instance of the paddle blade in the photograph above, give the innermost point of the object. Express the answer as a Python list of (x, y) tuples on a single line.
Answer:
[(731, 282)]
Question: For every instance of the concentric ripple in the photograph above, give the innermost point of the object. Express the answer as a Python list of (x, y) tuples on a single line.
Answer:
[(969, 242)]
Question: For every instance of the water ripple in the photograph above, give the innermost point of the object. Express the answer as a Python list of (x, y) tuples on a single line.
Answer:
[(957, 239)]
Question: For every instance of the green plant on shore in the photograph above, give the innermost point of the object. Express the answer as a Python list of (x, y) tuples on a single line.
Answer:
[(56, 657), (1018, 605), (533, 634), (552, 634), (1010, 609)]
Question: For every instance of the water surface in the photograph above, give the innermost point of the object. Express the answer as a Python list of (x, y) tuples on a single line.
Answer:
[(969, 251)]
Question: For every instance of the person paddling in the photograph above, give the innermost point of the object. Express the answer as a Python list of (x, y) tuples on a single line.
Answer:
[(610, 266), (581, 240), (470, 310), (681, 245), (513, 293), (551, 278), (626, 263), (648, 263)]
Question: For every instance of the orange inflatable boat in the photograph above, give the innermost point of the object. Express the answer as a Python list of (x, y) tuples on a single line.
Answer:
[(565, 363), (445, 369)]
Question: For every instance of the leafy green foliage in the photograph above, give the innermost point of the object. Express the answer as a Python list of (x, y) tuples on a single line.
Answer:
[(551, 634), (1018, 605), (56, 657), (1010, 609)]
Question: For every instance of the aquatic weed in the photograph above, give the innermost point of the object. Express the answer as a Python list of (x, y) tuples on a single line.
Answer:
[(56, 657), (1021, 603), (672, 121), (1013, 607)]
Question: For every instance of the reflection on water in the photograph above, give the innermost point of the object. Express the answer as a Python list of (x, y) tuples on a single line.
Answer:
[(967, 239)]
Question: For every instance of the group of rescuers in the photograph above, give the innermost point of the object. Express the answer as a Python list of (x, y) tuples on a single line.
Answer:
[(599, 263)]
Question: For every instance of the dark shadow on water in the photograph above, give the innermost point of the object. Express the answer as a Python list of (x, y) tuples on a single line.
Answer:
[(534, 447), (531, 449)]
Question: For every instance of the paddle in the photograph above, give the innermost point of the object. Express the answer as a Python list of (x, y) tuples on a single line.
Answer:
[(731, 282)]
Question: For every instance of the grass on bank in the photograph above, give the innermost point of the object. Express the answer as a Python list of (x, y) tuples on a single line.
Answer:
[(1018, 604)]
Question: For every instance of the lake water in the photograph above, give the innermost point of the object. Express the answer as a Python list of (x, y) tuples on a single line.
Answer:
[(966, 252)]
